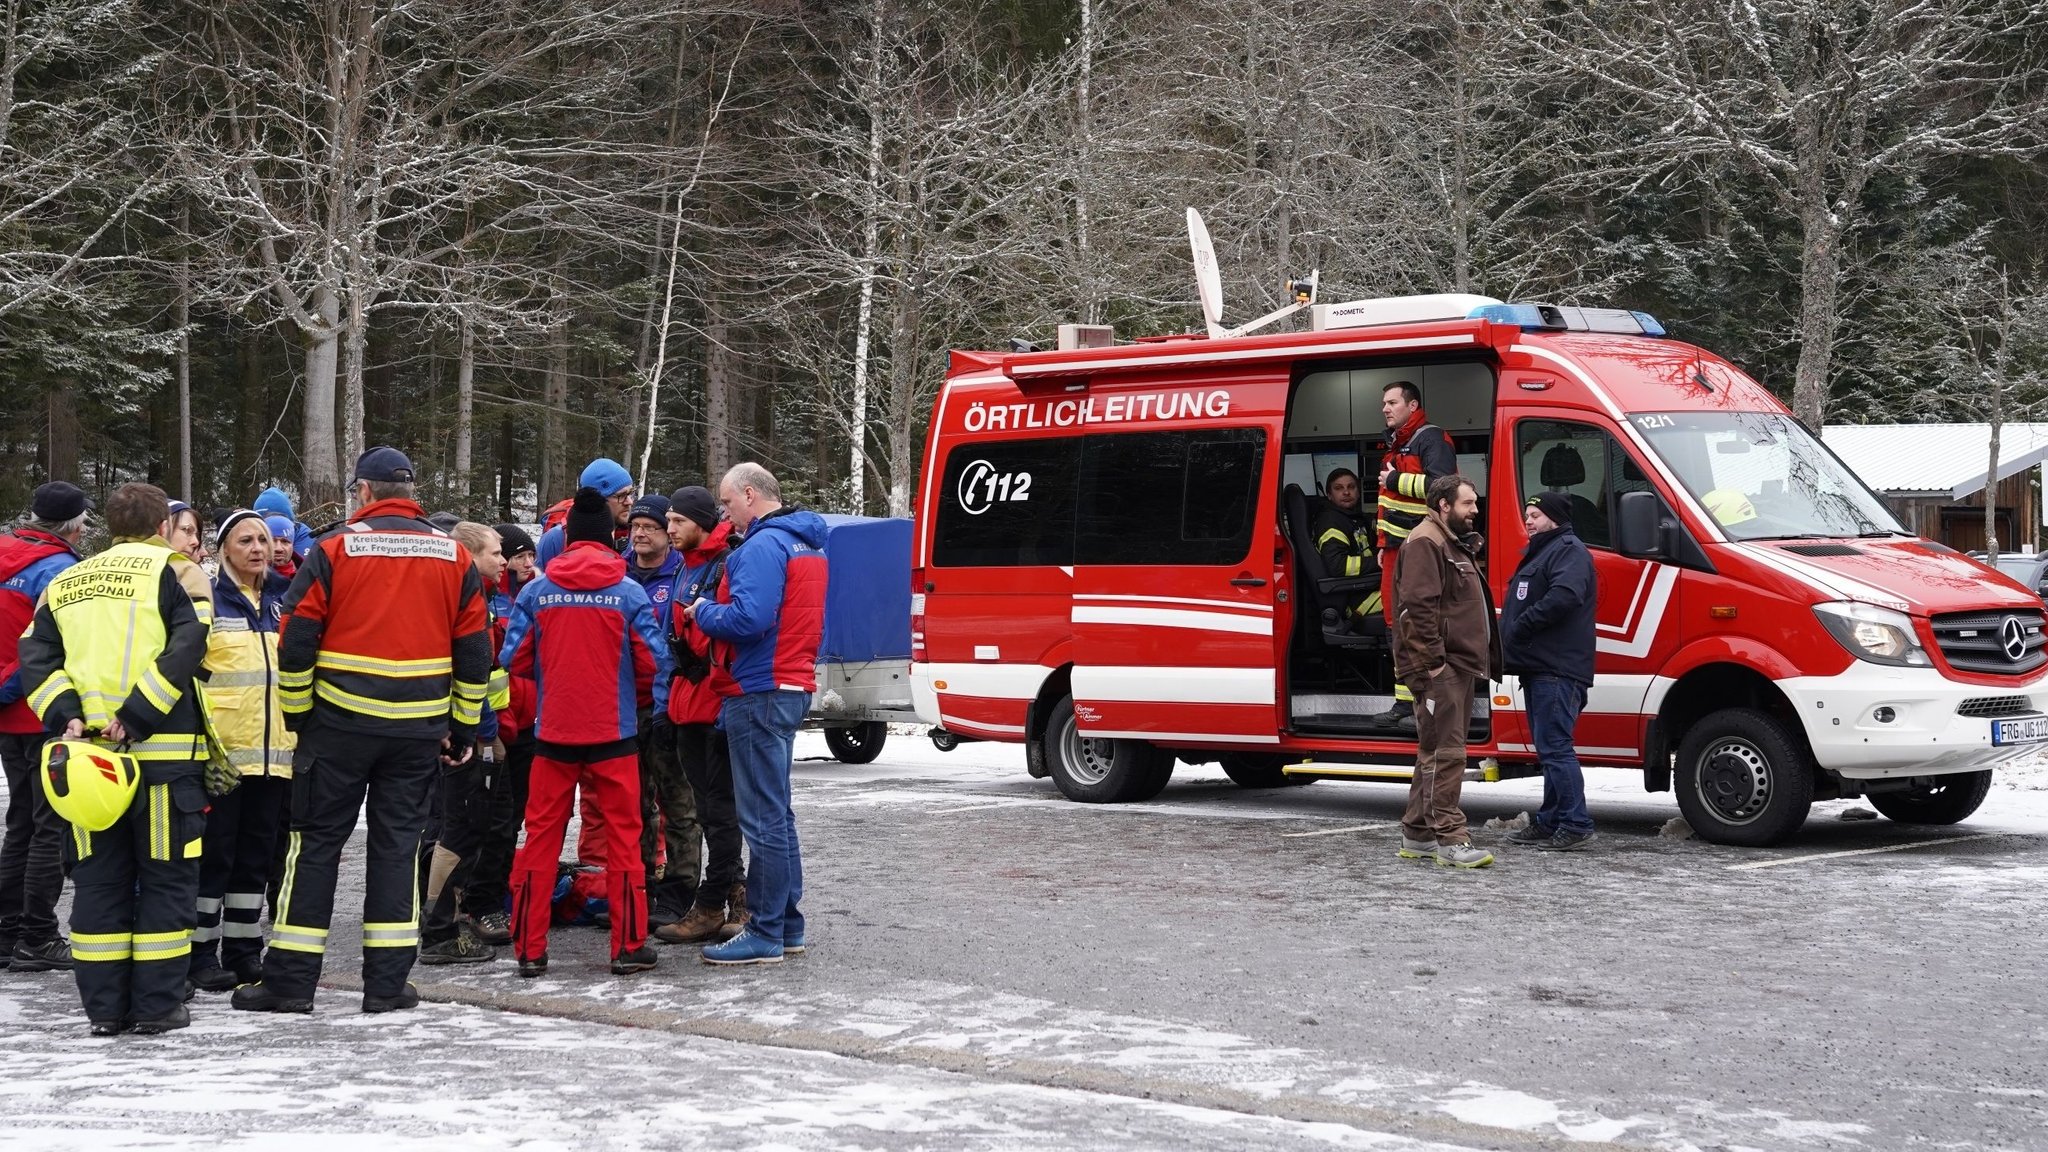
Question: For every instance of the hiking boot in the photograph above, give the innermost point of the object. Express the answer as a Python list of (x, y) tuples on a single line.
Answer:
[(1416, 849), (538, 966), (52, 955), (1462, 856), (215, 979), (250, 973), (1533, 834), (408, 997), (180, 1017), (464, 947), (702, 926), (261, 998), (109, 1027), (1563, 841), (736, 915), (745, 948), (639, 959), (494, 928)]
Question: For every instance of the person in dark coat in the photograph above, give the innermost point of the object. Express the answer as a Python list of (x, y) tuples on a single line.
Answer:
[(1547, 638), (1343, 533)]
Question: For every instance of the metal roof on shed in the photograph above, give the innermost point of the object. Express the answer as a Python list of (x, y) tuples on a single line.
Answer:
[(1935, 458)]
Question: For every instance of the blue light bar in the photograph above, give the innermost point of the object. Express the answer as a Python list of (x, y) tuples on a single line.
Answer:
[(1559, 318)]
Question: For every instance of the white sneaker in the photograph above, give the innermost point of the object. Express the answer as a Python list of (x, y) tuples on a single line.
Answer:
[(1462, 856), (1416, 849)]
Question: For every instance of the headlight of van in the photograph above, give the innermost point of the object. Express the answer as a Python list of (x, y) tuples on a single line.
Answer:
[(1878, 635)]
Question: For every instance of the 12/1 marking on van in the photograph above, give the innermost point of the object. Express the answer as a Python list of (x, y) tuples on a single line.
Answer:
[(982, 487)]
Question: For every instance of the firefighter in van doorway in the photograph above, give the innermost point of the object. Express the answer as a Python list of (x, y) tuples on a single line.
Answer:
[(111, 655), (1418, 454), (1343, 533)]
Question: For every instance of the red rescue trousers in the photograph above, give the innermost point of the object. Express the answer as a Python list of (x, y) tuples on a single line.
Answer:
[(612, 786)]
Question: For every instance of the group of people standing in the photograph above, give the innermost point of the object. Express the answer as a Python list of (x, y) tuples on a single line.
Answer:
[(453, 682), (1447, 637)]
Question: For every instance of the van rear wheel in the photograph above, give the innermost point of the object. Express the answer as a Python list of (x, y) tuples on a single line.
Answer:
[(1259, 770), (1743, 779), (1098, 771), (1949, 800)]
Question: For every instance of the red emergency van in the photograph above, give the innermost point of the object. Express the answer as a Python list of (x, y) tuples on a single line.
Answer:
[(1113, 568)]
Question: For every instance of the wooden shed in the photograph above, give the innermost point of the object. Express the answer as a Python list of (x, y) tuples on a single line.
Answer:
[(1936, 477)]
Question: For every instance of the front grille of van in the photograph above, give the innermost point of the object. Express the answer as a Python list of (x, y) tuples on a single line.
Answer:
[(1998, 643), (1993, 707)]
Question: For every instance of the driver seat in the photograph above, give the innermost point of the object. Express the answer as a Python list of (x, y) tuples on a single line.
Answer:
[(1324, 598), (1563, 468)]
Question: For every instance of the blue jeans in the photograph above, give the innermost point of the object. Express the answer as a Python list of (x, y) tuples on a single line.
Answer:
[(1554, 706), (760, 728)]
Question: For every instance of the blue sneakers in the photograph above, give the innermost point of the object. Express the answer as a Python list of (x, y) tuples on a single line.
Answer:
[(745, 948)]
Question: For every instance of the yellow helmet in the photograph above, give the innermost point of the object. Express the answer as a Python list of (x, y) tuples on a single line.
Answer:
[(89, 785), (1729, 507)]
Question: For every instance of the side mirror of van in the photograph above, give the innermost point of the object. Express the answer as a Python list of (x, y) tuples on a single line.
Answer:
[(1640, 534)]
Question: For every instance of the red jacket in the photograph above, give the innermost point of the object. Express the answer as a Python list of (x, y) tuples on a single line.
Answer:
[(697, 701), (29, 560), (585, 634), (1420, 452)]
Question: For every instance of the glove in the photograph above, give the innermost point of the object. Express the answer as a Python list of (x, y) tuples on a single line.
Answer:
[(663, 728)]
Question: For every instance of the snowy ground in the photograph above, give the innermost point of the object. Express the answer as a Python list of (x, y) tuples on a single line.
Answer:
[(993, 967)]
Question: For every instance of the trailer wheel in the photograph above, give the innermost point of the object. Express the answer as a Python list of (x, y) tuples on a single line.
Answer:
[(1949, 800), (943, 740), (857, 743), (1259, 770), (1096, 771), (1743, 779)]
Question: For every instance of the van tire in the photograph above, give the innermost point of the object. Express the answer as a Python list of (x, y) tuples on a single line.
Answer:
[(857, 743), (943, 740), (1949, 800), (1743, 779), (1094, 771), (1259, 770)]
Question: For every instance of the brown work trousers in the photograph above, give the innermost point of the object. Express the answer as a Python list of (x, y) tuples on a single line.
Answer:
[(1443, 709)]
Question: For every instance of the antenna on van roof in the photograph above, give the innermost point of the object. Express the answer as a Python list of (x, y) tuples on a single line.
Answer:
[(1209, 286)]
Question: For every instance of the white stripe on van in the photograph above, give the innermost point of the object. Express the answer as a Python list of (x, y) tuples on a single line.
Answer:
[(1173, 618), (1242, 607), (1175, 685)]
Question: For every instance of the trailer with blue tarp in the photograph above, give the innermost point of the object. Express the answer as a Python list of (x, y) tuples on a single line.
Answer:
[(864, 655)]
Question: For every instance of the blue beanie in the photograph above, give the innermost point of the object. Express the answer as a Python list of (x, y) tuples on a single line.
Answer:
[(609, 477), (274, 502), (280, 527)]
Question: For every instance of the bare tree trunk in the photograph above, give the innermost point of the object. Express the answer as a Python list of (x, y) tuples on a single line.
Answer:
[(1819, 278), (355, 349), (62, 443), (668, 305), (323, 353), (253, 428), (871, 250), (1991, 472), (465, 410), (720, 389), (555, 399), (181, 317), (902, 399)]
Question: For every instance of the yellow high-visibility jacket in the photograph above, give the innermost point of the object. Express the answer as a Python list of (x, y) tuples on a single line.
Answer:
[(240, 680)]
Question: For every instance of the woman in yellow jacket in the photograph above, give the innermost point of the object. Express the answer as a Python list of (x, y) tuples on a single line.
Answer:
[(240, 680)]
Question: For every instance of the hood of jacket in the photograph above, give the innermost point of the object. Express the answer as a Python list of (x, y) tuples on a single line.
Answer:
[(800, 523), (587, 565), (712, 548)]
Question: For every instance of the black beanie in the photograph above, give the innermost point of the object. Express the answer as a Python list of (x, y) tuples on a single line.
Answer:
[(515, 540), (1555, 505), (590, 518), (696, 503)]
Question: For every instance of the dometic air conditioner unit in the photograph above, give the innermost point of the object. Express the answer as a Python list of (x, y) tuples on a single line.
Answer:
[(1395, 310), (1077, 336)]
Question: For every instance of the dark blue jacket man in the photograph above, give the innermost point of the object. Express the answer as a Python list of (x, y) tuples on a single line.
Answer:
[(1547, 639)]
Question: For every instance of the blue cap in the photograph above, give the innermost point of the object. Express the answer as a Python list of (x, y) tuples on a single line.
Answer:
[(609, 477), (281, 528), (384, 465), (273, 502)]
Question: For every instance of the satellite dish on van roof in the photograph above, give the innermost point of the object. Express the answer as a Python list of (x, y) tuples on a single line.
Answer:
[(1208, 281)]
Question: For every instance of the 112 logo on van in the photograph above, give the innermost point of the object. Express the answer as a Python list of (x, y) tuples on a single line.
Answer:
[(982, 487)]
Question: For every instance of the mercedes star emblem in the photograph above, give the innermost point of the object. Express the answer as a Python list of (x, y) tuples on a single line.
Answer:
[(2013, 638)]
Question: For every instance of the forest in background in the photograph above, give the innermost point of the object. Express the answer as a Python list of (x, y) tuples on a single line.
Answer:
[(240, 239)]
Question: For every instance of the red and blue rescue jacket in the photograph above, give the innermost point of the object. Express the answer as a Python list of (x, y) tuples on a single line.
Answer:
[(770, 611), (29, 560), (585, 634)]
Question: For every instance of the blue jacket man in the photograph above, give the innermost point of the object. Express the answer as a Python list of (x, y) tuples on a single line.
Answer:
[(764, 625), (1547, 639)]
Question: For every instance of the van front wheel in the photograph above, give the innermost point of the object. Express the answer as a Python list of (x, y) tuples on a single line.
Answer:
[(1097, 771), (1743, 779)]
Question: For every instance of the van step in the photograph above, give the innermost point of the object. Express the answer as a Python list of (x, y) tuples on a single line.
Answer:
[(1389, 773)]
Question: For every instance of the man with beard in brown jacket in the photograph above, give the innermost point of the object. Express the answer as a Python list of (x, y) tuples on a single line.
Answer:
[(1444, 642)]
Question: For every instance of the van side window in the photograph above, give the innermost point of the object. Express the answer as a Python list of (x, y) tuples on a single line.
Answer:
[(1580, 461), (1169, 497), (1008, 503)]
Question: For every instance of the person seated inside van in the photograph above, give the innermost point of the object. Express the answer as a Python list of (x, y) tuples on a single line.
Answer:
[(1343, 535)]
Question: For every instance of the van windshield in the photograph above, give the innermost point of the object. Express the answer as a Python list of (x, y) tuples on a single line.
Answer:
[(1762, 476)]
